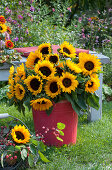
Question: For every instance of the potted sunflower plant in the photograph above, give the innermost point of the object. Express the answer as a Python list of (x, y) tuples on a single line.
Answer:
[(57, 86)]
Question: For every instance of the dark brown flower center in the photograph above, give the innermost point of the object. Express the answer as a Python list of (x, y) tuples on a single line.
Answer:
[(67, 82), (53, 87), (53, 59), (45, 71), (45, 50), (35, 84), (43, 102), (21, 91), (90, 85), (9, 44), (36, 60), (66, 50), (89, 65), (1, 28), (19, 135)]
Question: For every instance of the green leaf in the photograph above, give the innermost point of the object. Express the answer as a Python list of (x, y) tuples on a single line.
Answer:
[(61, 132), (35, 142), (33, 149), (30, 160), (24, 154), (41, 146), (17, 147), (59, 139), (60, 125), (81, 101), (43, 157), (49, 111), (93, 101)]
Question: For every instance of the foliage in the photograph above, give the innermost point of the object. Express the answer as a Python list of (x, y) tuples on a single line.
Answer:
[(3, 94), (107, 93)]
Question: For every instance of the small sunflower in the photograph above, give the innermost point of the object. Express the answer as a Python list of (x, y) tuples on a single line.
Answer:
[(9, 44), (20, 134), (11, 81), (68, 82), (92, 85), (2, 19), (34, 84), (67, 50), (41, 104), (19, 91), (89, 63), (52, 87), (20, 75), (11, 71), (10, 94), (45, 69), (45, 48), (9, 30), (53, 58), (3, 28), (33, 59), (73, 67)]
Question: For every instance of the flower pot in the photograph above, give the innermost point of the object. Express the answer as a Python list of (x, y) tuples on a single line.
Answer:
[(45, 124)]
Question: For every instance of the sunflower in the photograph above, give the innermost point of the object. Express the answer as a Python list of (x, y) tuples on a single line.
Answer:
[(2, 19), (53, 58), (45, 69), (41, 104), (9, 30), (11, 81), (52, 88), (89, 63), (19, 91), (73, 67), (9, 44), (20, 134), (67, 50), (68, 82), (92, 85), (11, 71), (45, 48), (10, 94), (3, 28), (34, 84), (20, 75), (33, 59)]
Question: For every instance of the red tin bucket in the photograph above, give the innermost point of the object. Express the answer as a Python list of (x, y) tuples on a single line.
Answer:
[(45, 124)]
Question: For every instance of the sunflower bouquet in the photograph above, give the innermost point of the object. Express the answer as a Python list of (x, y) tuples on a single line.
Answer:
[(7, 53), (47, 78)]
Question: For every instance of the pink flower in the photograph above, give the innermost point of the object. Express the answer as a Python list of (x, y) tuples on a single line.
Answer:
[(20, 3), (20, 16), (80, 19), (53, 9), (69, 9), (75, 25)]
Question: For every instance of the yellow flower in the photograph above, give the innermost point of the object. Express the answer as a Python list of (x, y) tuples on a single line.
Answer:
[(19, 91), (45, 69), (20, 75), (41, 104), (67, 50), (44, 48), (89, 63), (53, 58), (10, 94), (73, 67), (59, 69), (20, 134), (34, 84), (3, 28), (2, 19), (68, 82), (92, 85), (52, 88), (11, 71), (33, 59)]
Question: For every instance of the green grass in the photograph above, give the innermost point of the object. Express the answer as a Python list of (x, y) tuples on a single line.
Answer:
[(93, 149)]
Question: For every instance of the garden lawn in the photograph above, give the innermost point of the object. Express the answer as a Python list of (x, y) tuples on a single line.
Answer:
[(93, 149)]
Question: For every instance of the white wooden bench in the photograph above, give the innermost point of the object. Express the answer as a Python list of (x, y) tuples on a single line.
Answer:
[(94, 114)]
